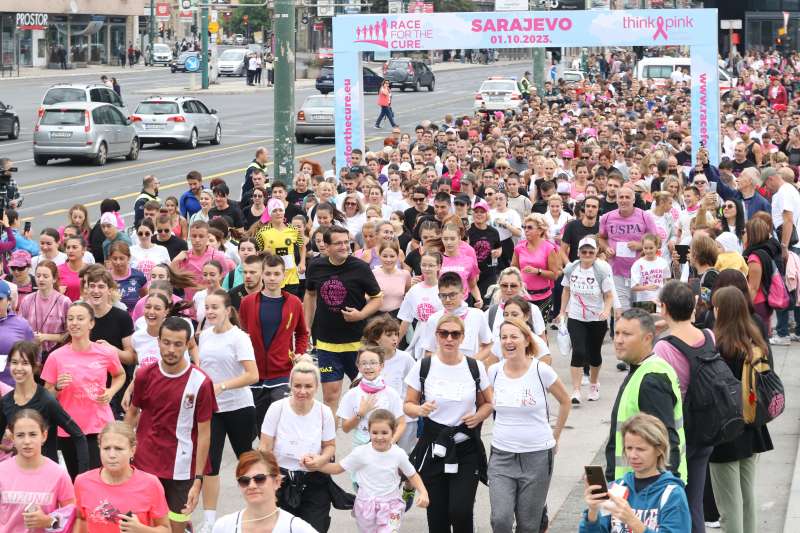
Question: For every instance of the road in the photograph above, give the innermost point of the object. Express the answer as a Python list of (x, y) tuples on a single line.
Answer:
[(247, 124)]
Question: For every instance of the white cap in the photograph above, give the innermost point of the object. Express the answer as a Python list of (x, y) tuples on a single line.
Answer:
[(405, 166), (587, 241)]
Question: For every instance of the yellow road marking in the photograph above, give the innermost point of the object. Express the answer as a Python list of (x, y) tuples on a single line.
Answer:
[(181, 183), (138, 165)]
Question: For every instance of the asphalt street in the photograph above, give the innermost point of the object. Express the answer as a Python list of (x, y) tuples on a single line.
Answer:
[(247, 121)]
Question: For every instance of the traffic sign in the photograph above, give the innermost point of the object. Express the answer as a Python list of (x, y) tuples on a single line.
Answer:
[(213, 27), (192, 63), (186, 5)]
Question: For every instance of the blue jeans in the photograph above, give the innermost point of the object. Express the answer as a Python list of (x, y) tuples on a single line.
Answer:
[(386, 112)]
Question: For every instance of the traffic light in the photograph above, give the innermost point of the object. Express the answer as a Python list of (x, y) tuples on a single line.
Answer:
[(193, 28), (245, 19)]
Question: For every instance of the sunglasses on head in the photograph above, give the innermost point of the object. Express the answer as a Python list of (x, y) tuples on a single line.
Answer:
[(244, 481)]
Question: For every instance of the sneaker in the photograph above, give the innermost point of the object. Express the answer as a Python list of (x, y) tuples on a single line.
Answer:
[(553, 326), (205, 528), (408, 497), (776, 340), (576, 397), (594, 393), (795, 337), (622, 367), (585, 380), (713, 525)]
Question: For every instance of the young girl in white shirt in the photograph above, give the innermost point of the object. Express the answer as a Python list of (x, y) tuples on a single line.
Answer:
[(377, 467), (367, 394), (648, 274)]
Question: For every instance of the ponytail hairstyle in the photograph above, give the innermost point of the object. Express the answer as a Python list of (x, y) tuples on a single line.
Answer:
[(233, 315), (173, 308), (179, 279)]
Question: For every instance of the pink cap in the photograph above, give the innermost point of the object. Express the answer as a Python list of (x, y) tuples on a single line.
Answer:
[(567, 154), (481, 204)]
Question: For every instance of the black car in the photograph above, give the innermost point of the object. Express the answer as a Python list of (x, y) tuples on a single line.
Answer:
[(404, 72), (9, 121), (372, 80), (180, 63)]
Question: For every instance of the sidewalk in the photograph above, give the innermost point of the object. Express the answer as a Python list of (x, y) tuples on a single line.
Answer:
[(225, 86), (28, 73)]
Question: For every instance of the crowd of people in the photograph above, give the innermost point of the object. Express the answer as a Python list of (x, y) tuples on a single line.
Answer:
[(432, 272)]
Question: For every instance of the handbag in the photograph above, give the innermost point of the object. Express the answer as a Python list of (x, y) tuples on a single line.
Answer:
[(792, 238), (778, 295), (763, 396)]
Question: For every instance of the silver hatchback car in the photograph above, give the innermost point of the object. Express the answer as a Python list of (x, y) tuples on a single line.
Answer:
[(315, 118), (83, 130), (176, 119)]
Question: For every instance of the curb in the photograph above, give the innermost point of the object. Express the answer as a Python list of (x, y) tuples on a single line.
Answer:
[(302, 83), (72, 73), (793, 504)]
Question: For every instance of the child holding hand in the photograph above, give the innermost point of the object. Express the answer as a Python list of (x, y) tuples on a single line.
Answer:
[(379, 507)]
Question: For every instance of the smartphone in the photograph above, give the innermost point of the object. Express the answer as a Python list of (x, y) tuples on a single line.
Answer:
[(27, 227), (683, 253), (30, 507), (595, 476)]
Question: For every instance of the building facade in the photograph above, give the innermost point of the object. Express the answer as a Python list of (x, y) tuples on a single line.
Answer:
[(79, 31)]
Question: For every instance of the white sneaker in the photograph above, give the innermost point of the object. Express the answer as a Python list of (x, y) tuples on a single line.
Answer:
[(794, 337), (585, 380), (775, 340), (594, 393), (713, 525), (205, 528), (576, 397)]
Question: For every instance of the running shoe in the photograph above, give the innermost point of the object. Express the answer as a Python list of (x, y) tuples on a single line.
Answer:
[(713, 525), (576, 397), (594, 393), (795, 337), (777, 340)]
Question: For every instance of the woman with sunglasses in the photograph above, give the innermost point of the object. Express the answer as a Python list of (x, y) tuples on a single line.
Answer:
[(253, 213), (117, 496), (354, 216), (259, 479), (510, 285), (539, 261), (453, 395), (145, 255), (731, 218)]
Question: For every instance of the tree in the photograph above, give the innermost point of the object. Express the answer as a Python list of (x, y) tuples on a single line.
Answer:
[(257, 18)]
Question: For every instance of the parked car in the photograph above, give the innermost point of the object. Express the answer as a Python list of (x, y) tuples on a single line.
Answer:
[(231, 62), (84, 130), (572, 77), (372, 80), (315, 118), (405, 73), (659, 69), (9, 121), (238, 39), (160, 55), (81, 92), (176, 119), (180, 63)]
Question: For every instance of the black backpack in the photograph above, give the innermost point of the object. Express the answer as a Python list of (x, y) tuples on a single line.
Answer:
[(712, 410), (425, 368)]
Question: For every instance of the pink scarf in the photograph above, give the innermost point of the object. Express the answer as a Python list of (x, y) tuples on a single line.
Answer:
[(372, 386)]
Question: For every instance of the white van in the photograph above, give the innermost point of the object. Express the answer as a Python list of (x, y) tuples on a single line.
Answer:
[(660, 69)]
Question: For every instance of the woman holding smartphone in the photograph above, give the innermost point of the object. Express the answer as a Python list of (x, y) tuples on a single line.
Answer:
[(650, 490)]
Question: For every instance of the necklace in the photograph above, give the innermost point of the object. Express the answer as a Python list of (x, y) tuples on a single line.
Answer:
[(269, 515)]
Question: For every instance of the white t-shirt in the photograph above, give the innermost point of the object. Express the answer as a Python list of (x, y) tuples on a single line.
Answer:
[(395, 371), (509, 216), (786, 199), (378, 473), (287, 523), (644, 272), (221, 355), (146, 346), (452, 388), (59, 260), (536, 320), (420, 303), (476, 331), (145, 259), (497, 349), (557, 226), (586, 294), (297, 435), (521, 424), (387, 399)]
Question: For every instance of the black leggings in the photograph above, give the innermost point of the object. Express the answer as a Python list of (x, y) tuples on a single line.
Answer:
[(587, 341), (452, 496), (67, 447), (238, 426), (315, 500)]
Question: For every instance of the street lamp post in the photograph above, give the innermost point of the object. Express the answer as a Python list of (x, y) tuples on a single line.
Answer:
[(284, 29)]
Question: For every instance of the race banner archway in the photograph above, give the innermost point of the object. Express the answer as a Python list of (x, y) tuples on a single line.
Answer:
[(695, 28)]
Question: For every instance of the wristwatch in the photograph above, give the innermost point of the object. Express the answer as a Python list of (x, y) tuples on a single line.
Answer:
[(199, 477), (222, 386)]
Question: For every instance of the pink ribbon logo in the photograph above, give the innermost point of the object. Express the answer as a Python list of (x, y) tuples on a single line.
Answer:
[(660, 30)]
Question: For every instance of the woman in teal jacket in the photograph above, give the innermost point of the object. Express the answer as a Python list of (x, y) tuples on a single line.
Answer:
[(648, 500)]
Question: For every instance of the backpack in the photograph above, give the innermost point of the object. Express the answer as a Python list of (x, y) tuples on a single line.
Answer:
[(777, 295), (425, 368), (712, 410), (762, 391), (600, 273)]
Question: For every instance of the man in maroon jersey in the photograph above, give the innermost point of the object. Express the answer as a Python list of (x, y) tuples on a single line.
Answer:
[(171, 408)]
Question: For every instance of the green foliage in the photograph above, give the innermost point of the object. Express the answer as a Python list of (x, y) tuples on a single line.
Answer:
[(258, 18)]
